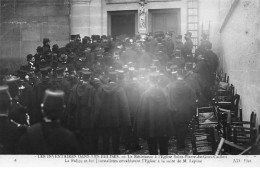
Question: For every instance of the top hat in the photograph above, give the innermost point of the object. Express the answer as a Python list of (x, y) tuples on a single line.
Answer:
[(95, 37), (73, 37)]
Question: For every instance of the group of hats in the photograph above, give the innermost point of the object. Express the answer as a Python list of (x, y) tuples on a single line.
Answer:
[(52, 105)]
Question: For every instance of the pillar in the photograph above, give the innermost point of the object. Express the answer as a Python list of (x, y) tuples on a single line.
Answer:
[(80, 17), (142, 19)]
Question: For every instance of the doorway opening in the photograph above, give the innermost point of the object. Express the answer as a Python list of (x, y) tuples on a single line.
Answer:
[(122, 23), (165, 20)]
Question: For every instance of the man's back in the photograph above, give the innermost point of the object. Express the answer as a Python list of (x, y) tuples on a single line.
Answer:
[(9, 135), (114, 107), (48, 138), (153, 116)]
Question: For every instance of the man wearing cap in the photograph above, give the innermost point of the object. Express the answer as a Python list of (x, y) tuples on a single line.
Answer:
[(192, 80), (181, 101), (89, 56), (148, 43), (18, 112), (154, 122), (49, 137), (114, 113), (204, 77), (179, 45), (30, 62), (38, 57), (213, 61), (133, 94), (203, 44), (59, 82), (169, 45), (144, 59), (39, 92), (9, 131), (81, 103), (26, 96), (129, 55), (187, 47), (46, 45)]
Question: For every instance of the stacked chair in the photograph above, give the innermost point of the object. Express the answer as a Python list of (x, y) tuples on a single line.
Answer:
[(204, 132), (219, 128)]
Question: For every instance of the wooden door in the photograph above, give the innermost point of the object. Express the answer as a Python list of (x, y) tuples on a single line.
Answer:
[(165, 20)]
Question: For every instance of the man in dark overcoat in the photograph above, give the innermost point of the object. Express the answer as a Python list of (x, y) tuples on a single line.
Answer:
[(154, 121)]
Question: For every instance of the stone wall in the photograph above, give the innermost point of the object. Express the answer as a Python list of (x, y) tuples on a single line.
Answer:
[(209, 16), (240, 41), (24, 24)]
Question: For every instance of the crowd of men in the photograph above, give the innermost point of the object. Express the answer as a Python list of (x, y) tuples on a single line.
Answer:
[(98, 90)]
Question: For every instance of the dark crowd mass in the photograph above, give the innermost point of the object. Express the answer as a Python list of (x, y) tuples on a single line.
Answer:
[(99, 93)]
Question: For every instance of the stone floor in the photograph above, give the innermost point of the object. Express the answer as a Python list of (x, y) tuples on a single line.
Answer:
[(172, 148)]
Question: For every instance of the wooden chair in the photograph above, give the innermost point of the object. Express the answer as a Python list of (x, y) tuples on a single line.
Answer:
[(203, 141), (232, 114), (222, 77), (207, 116), (243, 133), (233, 106), (226, 147), (224, 98), (204, 132)]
